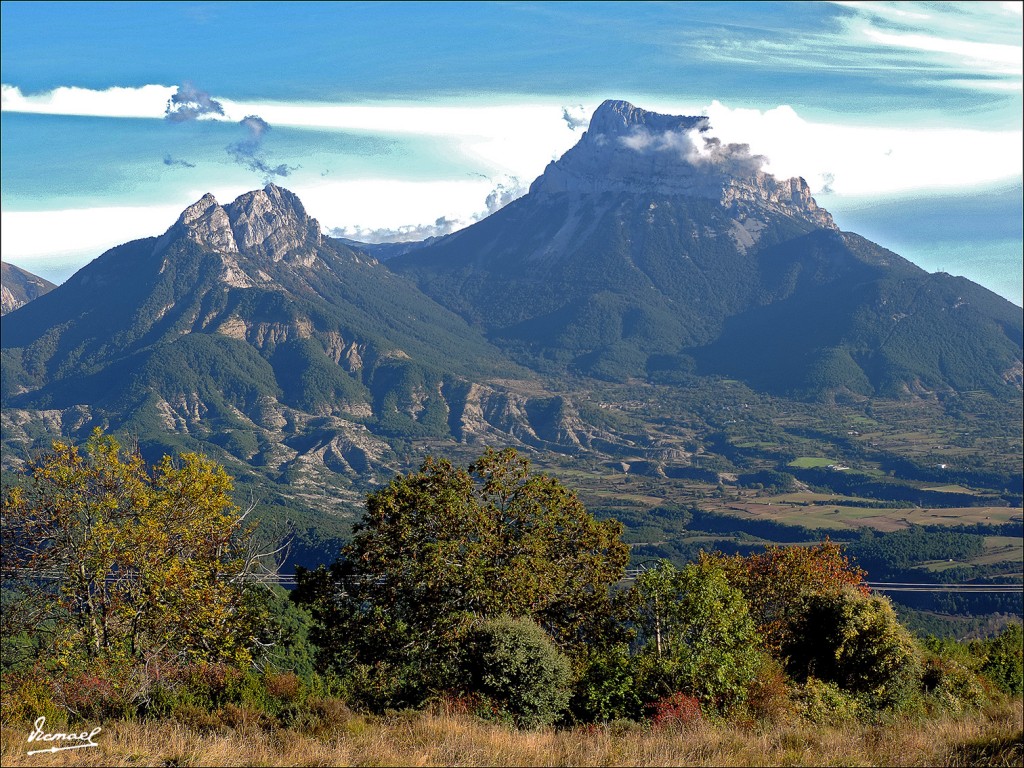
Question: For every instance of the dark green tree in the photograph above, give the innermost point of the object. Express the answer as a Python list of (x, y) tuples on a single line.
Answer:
[(517, 667), (855, 641), (1002, 659), (444, 547)]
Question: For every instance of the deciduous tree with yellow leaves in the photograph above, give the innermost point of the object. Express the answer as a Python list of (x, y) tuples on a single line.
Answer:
[(107, 559)]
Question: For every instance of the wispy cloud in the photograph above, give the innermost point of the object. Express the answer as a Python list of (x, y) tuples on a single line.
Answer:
[(176, 162), (971, 46), (249, 151)]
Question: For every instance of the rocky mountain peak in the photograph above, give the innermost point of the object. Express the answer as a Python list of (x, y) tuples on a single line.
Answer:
[(206, 223), (270, 222), (630, 150), (266, 223), (620, 118)]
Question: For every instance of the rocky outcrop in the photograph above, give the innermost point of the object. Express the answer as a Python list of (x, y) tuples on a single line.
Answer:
[(630, 150), (270, 223), (18, 287), (265, 224)]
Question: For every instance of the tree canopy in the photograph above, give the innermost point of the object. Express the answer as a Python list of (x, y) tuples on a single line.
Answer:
[(111, 561), (694, 634), (444, 547), (778, 582)]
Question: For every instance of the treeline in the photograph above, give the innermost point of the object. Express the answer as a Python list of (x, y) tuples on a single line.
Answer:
[(680, 535), (853, 483), (131, 591), (887, 555)]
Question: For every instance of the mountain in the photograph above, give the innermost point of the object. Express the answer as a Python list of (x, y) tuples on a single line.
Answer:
[(18, 287), (245, 331), (652, 250), (602, 321)]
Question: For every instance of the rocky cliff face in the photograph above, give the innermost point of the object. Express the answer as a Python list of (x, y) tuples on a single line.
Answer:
[(18, 287), (630, 150), (266, 226)]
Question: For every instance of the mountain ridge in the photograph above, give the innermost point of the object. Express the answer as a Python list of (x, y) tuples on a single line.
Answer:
[(244, 327), (307, 364)]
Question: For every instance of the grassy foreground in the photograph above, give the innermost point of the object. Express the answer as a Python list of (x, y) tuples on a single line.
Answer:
[(339, 737)]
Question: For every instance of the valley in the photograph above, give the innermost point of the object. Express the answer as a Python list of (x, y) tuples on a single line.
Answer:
[(693, 345)]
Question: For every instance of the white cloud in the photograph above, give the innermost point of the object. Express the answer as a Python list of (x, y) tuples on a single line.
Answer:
[(29, 235), (870, 160), (510, 143), (147, 101), (513, 139), (518, 140), (76, 236)]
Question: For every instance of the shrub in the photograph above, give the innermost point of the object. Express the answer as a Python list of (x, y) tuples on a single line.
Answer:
[(1003, 659), (674, 711), (516, 665), (825, 703), (283, 686), (855, 641), (769, 697), (100, 690), (27, 694), (606, 689), (951, 685), (383, 686)]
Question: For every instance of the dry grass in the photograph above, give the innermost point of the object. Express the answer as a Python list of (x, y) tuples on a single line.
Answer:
[(442, 738)]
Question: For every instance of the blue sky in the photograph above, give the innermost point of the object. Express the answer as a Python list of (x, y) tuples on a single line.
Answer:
[(402, 120)]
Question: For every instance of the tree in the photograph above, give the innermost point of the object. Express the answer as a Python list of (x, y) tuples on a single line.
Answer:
[(1002, 658), (778, 582), (108, 561), (695, 634), (441, 548)]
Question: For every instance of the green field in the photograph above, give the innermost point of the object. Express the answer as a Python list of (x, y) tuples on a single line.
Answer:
[(810, 462)]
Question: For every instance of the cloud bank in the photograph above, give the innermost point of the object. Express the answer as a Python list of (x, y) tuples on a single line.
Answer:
[(504, 191)]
